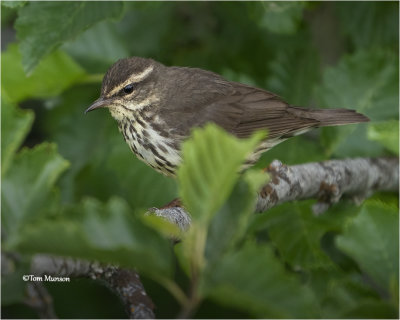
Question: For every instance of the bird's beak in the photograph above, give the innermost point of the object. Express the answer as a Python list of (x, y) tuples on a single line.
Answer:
[(99, 103)]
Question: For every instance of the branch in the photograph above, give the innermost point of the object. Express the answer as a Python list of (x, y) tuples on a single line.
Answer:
[(39, 299), (326, 181), (125, 283)]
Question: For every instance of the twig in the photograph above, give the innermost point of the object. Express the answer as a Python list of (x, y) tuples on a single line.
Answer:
[(40, 300), (125, 283)]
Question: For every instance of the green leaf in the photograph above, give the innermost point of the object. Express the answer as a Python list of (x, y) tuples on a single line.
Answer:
[(107, 233), (13, 288), (211, 162), (368, 82), (282, 17), (373, 309), (371, 239), (341, 294), (53, 75), (386, 133), (163, 226), (253, 279), (15, 125), (294, 72), (59, 22), (230, 222), (27, 186), (296, 233), (97, 56)]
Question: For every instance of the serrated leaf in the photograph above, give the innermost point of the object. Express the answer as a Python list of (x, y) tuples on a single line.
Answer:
[(254, 280), (59, 22), (366, 81), (211, 162), (371, 239), (15, 125), (27, 186), (45, 81), (107, 233), (386, 133)]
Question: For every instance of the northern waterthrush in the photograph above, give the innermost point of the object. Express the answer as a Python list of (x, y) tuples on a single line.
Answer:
[(157, 106)]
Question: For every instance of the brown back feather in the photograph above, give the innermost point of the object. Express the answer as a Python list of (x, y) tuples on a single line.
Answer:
[(242, 109)]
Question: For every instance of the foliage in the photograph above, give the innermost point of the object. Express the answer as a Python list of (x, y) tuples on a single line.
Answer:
[(71, 187), (65, 20), (45, 82), (386, 133), (376, 97), (374, 257)]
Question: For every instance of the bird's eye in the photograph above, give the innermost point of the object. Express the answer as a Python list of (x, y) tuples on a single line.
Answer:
[(128, 89)]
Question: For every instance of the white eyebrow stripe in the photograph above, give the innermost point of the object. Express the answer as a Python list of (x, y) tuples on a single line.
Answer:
[(132, 79)]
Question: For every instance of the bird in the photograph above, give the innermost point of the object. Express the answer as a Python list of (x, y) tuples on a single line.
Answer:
[(157, 106)]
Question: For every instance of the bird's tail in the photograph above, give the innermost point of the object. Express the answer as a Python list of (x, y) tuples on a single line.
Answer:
[(331, 117)]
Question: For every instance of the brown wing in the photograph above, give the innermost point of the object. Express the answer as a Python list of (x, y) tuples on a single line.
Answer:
[(197, 97), (250, 109)]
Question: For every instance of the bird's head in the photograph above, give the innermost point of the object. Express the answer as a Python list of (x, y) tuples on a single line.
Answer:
[(130, 85)]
